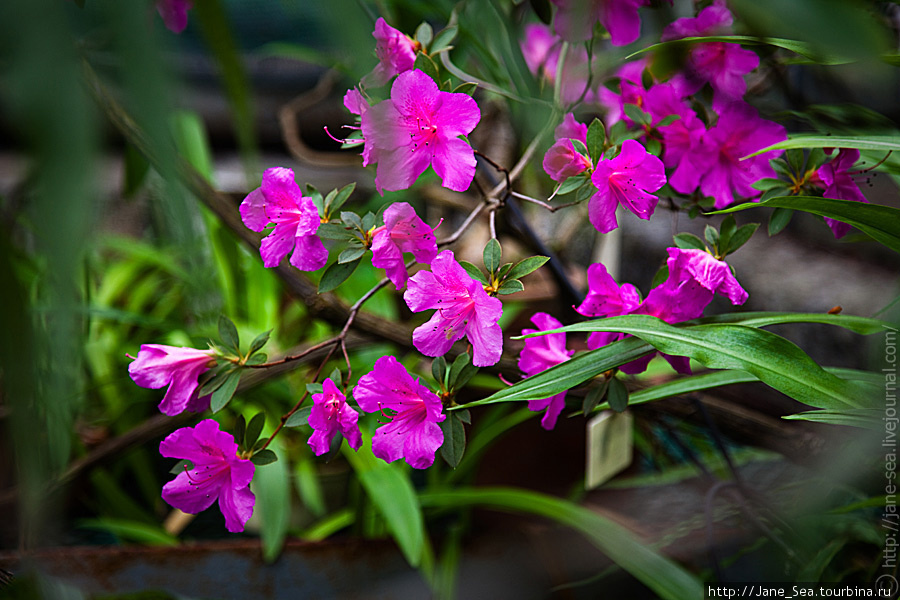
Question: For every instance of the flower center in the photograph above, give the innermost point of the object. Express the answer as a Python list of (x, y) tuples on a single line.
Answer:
[(422, 134)]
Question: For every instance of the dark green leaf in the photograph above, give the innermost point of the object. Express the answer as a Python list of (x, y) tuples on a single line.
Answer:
[(585, 191), (314, 388), (726, 231), (181, 466), (443, 39), (766, 184), (125, 529), (660, 276), (351, 254), (336, 274), (596, 139), (351, 219), (617, 396), (885, 143), (473, 271), (317, 199), (636, 114), (439, 369), (257, 359), (136, 167), (454, 445), (426, 65), (689, 241), (335, 231), (240, 430), (526, 266), (299, 418), (467, 88), (653, 146), (774, 193), (228, 334), (460, 364), (617, 133), (864, 418), (795, 160), (222, 396), (779, 219), (213, 384), (594, 396), (579, 146), (542, 9), (340, 198), (259, 341), (464, 415), (741, 237), (510, 286), (424, 34), (712, 236), (263, 457), (335, 377), (255, 428), (667, 121), (504, 271), (491, 256)]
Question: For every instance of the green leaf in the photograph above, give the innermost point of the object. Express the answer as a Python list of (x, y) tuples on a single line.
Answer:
[(473, 271), (273, 500), (454, 445), (766, 184), (299, 418), (340, 198), (464, 415), (667, 121), (664, 577), (861, 325), (885, 143), (689, 241), (315, 388), (336, 274), (426, 65), (317, 199), (571, 184), (712, 236), (864, 418), (461, 371), (368, 221), (424, 34), (351, 254), (192, 142), (263, 457), (779, 219), (439, 369), (772, 359), (135, 171), (213, 384), (617, 396), (741, 237), (510, 286), (660, 276), (228, 334), (726, 230), (181, 466), (132, 531), (443, 39), (527, 266), (259, 341), (579, 146), (636, 114), (389, 488), (351, 219), (240, 431), (257, 359), (683, 44), (255, 428), (881, 223), (491, 256), (334, 231), (594, 395), (222, 396), (596, 139), (467, 88), (308, 486)]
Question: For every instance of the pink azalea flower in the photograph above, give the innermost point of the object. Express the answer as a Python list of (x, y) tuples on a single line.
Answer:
[(631, 86), (692, 266), (329, 416), (575, 19), (174, 13), (562, 161), (605, 298), (463, 309), (280, 201), (839, 184), (716, 163), (682, 134), (570, 128), (420, 126), (403, 231), (218, 474), (158, 366), (539, 354), (628, 180), (413, 432), (541, 49), (396, 54), (722, 64)]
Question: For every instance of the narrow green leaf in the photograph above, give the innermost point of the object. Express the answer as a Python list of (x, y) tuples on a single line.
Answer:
[(464, 415), (308, 487), (617, 396), (527, 266), (213, 384), (726, 230), (881, 223), (443, 39), (351, 254), (683, 44), (259, 341), (467, 88), (340, 198), (273, 500), (240, 430), (439, 369), (426, 65), (667, 121), (263, 457), (766, 184), (228, 334), (596, 139), (491, 256), (664, 577), (510, 286), (864, 418), (689, 241), (473, 271), (454, 445), (336, 274), (389, 488), (132, 531), (861, 325), (135, 171), (885, 143), (299, 418), (257, 359), (779, 219), (222, 396), (254, 428)]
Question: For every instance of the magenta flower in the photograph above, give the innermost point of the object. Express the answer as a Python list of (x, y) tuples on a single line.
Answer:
[(632, 91), (628, 180), (329, 416), (539, 354), (420, 126), (570, 128), (574, 20), (682, 134), (562, 161), (280, 201), (839, 184), (396, 54), (705, 270), (716, 163), (413, 432), (541, 49), (218, 473), (174, 13), (463, 309), (606, 299), (403, 231), (722, 64), (158, 366)]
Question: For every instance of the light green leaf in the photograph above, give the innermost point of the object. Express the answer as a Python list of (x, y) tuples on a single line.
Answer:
[(271, 484), (800, 48), (491, 256), (223, 394), (526, 266), (664, 577), (886, 143), (596, 139), (132, 531), (865, 418)]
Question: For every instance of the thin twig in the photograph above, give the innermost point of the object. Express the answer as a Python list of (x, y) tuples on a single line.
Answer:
[(462, 228)]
